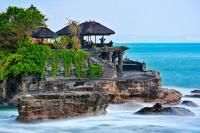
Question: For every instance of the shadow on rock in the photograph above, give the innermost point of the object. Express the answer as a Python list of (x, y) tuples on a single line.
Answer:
[(158, 109), (195, 91), (189, 103)]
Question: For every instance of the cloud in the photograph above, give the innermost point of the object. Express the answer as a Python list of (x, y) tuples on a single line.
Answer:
[(192, 38)]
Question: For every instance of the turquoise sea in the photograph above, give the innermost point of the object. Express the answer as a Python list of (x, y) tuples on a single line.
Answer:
[(179, 65)]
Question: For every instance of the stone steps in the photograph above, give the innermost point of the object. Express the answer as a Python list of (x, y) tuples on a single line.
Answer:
[(109, 71)]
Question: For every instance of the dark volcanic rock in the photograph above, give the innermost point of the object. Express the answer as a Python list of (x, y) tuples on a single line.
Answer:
[(193, 96), (189, 103), (157, 109), (195, 91)]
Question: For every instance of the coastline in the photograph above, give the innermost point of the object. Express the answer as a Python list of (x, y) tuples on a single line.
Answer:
[(118, 116)]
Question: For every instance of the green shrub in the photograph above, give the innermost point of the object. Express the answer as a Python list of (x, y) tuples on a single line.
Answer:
[(69, 58), (32, 59), (95, 70), (27, 59)]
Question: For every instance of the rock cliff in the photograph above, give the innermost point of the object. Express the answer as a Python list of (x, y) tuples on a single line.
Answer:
[(57, 105), (55, 99)]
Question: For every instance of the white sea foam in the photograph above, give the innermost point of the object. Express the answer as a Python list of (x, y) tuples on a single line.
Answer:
[(119, 119)]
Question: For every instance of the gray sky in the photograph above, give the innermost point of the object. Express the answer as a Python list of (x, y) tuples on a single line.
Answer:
[(132, 20)]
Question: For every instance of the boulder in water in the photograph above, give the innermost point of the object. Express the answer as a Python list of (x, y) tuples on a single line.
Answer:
[(195, 91), (158, 109), (193, 96), (189, 103)]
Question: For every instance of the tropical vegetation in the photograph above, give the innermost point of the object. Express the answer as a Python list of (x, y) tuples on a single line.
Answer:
[(19, 56)]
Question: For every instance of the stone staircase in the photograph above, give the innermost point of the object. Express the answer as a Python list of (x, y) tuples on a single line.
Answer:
[(93, 52)]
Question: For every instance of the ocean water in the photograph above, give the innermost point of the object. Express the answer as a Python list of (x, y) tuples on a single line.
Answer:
[(179, 65)]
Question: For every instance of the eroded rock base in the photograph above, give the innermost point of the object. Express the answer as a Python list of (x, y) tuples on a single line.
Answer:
[(57, 105), (55, 99)]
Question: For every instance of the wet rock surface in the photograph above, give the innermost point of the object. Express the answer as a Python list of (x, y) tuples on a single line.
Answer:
[(195, 91), (68, 98), (168, 96), (57, 105), (158, 109), (193, 96), (189, 103)]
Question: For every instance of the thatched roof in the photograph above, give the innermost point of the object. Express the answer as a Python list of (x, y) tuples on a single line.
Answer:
[(88, 28), (64, 31), (94, 28), (43, 33), (32, 7)]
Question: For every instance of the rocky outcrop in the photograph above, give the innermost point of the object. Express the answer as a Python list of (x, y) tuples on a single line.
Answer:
[(168, 96), (158, 109), (11, 86), (195, 91), (189, 103), (2, 90), (57, 105), (65, 98), (148, 87), (193, 96)]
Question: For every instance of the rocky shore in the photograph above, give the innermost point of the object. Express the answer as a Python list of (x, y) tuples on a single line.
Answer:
[(56, 99), (57, 105), (158, 109)]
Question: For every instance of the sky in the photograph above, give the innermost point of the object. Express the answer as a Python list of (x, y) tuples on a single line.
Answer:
[(132, 20)]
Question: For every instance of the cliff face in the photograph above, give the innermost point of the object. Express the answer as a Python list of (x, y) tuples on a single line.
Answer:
[(149, 89), (56, 105), (65, 98), (124, 88), (2, 90), (145, 88), (11, 86)]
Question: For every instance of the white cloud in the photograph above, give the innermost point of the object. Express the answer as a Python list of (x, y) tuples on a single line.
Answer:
[(193, 38)]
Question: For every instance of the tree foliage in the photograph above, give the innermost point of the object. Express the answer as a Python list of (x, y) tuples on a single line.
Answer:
[(16, 23), (29, 59), (96, 70), (71, 41), (32, 59), (19, 56), (69, 58)]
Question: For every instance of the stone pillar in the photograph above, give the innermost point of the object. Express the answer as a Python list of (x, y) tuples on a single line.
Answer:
[(120, 61), (110, 56), (113, 58)]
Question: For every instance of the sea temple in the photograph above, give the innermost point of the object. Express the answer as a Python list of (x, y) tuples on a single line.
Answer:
[(82, 81)]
